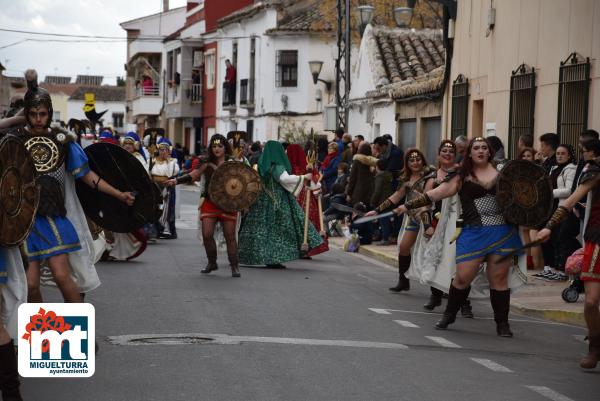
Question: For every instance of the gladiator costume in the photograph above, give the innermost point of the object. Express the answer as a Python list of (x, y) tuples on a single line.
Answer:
[(161, 171), (411, 222)]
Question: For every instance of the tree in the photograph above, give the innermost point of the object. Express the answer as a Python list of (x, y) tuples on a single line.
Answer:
[(120, 81)]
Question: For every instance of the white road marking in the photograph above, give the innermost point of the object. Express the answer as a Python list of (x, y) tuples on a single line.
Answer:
[(491, 365), (368, 278), (443, 342), (406, 323), (380, 311), (224, 339), (580, 338), (549, 393)]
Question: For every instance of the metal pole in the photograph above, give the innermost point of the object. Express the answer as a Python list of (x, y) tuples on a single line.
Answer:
[(348, 46)]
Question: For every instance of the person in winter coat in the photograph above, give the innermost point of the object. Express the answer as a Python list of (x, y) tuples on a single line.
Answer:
[(382, 191), (360, 184), (329, 165)]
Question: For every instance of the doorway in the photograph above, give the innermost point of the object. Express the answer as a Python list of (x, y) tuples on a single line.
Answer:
[(477, 125)]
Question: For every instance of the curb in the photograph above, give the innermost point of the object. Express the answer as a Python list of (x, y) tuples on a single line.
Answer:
[(559, 316)]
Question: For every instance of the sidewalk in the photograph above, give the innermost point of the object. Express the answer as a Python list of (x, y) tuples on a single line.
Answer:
[(538, 298)]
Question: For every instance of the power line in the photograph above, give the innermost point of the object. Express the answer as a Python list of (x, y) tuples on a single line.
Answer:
[(152, 37)]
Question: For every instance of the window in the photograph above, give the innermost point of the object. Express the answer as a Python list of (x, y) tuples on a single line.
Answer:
[(407, 134), (118, 120), (573, 99), (287, 68), (460, 106), (431, 135), (209, 65), (522, 106)]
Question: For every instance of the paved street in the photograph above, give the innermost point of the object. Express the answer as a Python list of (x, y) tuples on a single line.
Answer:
[(323, 329)]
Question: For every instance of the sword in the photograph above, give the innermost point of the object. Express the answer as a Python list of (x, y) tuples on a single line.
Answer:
[(374, 217), (519, 250), (344, 208)]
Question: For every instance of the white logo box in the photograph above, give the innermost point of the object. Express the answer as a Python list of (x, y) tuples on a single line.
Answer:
[(58, 360)]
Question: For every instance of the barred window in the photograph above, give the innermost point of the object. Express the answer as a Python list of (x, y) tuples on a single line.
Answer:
[(460, 106), (287, 68), (573, 98), (118, 120), (522, 106)]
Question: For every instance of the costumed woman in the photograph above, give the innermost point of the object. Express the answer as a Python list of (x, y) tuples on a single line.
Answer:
[(272, 232), (127, 246), (162, 168), (297, 159), (60, 233), (219, 152), (433, 258), (485, 237), (589, 184), (415, 176)]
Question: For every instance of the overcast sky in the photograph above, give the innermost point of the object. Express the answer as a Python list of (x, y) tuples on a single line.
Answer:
[(74, 17)]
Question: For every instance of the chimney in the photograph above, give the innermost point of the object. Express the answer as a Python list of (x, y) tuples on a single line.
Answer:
[(165, 5)]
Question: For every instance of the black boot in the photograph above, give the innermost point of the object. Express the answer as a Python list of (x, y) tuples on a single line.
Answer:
[(234, 262), (456, 298), (403, 282), (435, 299), (9, 374), (210, 246), (501, 304), (465, 308)]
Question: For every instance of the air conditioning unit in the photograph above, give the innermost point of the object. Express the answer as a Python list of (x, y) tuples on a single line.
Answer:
[(330, 118)]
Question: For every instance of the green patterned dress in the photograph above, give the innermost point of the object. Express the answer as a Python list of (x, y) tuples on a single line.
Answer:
[(272, 232)]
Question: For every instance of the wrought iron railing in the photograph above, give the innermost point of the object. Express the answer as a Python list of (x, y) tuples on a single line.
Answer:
[(247, 92), (149, 90), (460, 106), (522, 106), (228, 94), (196, 93)]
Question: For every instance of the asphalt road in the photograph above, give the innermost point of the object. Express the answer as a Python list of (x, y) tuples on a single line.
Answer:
[(322, 329)]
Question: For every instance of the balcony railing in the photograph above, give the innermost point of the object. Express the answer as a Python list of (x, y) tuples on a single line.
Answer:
[(196, 93), (150, 90), (228, 94), (247, 92)]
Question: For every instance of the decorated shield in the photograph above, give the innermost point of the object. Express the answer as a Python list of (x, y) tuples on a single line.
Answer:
[(123, 171), (524, 192), (19, 195), (234, 186)]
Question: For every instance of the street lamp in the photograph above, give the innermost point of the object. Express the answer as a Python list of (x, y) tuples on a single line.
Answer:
[(403, 16), (365, 16), (315, 69)]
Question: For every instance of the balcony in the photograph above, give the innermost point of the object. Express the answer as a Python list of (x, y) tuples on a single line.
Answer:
[(184, 101), (229, 95), (144, 46), (196, 93), (151, 91), (247, 93), (147, 100)]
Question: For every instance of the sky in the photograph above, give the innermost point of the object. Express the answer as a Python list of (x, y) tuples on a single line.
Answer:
[(73, 17)]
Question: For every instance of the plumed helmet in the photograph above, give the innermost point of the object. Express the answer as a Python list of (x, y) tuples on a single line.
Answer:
[(131, 137), (36, 96), (164, 143)]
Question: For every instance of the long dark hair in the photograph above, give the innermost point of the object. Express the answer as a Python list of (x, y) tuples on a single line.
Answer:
[(446, 143), (220, 138), (406, 173), (467, 162)]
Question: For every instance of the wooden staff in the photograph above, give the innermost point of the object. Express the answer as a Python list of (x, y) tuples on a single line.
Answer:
[(310, 160), (320, 203)]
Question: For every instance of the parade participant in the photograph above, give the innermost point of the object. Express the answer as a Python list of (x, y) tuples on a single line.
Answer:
[(297, 159), (219, 152), (415, 176), (131, 143), (590, 274), (60, 233), (433, 259), (13, 292), (107, 135), (486, 236), (272, 231), (163, 167)]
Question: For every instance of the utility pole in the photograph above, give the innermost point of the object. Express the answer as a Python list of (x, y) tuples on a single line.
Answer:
[(342, 63)]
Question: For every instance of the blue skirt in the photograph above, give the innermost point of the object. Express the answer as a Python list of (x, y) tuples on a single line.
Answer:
[(51, 236), (3, 263), (478, 241), (412, 225)]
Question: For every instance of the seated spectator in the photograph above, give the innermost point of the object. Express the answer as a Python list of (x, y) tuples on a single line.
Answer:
[(364, 230)]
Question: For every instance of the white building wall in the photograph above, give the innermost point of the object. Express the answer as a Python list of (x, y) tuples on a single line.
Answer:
[(380, 120), (75, 110)]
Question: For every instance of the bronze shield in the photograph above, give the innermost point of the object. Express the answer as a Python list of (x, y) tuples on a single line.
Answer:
[(234, 186), (19, 195), (123, 171), (524, 193)]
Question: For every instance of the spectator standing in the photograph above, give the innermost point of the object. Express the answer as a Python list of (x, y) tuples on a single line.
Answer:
[(462, 142), (548, 144), (498, 148), (330, 165), (255, 152), (382, 190), (230, 81), (360, 183), (347, 149), (339, 134), (525, 142)]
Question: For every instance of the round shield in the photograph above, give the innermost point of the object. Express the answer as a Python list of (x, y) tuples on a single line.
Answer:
[(234, 186), (524, 192), (123, 171), (19, 195)]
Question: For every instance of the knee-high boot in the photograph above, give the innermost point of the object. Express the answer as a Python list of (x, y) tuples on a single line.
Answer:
[(403, 282), (435, 299), (593, 357), (456, 298), (501, 304), (465, 308), (211, 253), (9, 375)]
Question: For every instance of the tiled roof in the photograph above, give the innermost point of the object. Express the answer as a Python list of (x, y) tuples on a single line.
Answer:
[(54, 79), (246, 12), (405, 62), (89, 79), (105, 93), (306, 20)]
